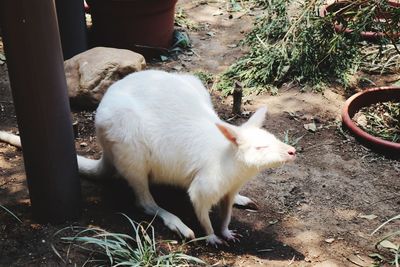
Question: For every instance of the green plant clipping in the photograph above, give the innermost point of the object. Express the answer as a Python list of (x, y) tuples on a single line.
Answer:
[(204, 76), (295, 43), (381, 120)]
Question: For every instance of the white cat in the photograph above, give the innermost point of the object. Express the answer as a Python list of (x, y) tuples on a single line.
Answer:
[(157, 127)]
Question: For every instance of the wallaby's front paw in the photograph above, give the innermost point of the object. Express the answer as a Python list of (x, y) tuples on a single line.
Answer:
[(230, 235), (214, 240)]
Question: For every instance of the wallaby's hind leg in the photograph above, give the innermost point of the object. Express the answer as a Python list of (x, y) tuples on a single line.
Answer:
[(146, 201), (139, 183), (245, 202)]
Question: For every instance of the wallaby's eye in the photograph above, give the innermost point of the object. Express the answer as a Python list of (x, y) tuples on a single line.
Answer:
[(261, 147)]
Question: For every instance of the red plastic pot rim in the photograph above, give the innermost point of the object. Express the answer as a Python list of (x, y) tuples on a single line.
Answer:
[(135, 7), (365, 34), (366, 98), (394, 3)]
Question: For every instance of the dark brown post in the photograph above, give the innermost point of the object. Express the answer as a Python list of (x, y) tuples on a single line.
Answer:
[(36, 70), (237, 99), (72, 25)]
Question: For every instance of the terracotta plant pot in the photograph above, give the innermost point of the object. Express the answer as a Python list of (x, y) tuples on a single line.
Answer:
[(367, 98), (395, 3), (144, 26), (367, 35)]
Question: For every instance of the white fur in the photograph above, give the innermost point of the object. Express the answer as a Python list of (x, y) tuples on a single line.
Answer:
[(156, 127), (10, 138)]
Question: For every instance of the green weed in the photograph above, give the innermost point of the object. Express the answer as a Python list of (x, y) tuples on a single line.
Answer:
[(182, 20), (11, 213), (205, 77), (305, 47), (388, 247), (117, 249), (291, 139)]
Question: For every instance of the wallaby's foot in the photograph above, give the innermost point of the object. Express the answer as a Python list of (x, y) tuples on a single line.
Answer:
[(231, 235), (215, 241), (181, 229), (245, 202), (170, 220)]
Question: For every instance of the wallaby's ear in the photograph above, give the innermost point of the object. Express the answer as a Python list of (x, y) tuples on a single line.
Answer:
[(257, 119), (228, 132)]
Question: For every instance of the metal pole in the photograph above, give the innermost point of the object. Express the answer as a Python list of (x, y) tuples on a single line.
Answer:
[(36, 70), (72, 25)]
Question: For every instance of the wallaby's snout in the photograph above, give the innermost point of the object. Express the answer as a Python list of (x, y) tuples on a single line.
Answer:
[(292, 152), (289, 153)]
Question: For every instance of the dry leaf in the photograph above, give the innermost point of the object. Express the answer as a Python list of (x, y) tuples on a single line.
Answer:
[(362, 120), (389, 245), (329, 240), (310, 127), (368, 217)]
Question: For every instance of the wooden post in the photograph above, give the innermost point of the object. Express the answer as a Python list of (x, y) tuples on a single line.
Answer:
[(36, 70), (72, 26), (237, 99)]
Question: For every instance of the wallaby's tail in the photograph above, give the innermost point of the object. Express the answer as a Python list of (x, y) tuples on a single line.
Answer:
[(90, 168), (95, 168), (10, 138)]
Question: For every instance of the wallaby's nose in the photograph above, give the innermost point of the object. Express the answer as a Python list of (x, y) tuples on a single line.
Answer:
[(292, 151)]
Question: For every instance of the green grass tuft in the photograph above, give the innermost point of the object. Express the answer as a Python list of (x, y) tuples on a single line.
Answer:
[(117, 249), (388, 247), (11, 213)]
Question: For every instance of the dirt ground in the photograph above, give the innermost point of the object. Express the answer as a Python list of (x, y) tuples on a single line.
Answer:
[(311, 212)]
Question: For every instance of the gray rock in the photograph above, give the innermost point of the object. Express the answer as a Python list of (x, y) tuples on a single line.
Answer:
[(89, 74)]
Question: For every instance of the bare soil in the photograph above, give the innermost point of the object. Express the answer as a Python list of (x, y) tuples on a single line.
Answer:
[(309, 211)]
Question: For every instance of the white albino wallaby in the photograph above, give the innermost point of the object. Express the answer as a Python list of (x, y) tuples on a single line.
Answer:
[(156, 127)]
